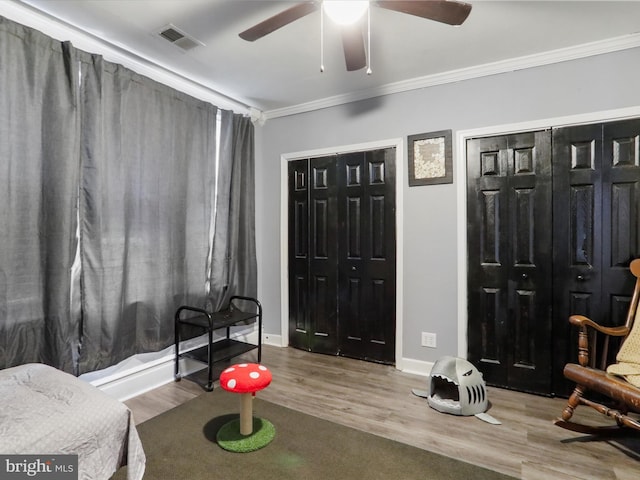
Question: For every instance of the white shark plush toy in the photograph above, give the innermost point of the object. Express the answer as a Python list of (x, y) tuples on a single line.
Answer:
[(457, 387)]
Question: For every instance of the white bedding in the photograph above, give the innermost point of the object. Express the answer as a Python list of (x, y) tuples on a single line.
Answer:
[(46, 411)]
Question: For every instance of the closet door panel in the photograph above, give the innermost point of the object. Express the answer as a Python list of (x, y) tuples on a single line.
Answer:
[(621, 216), (298, 178), (366, 267), (509, 210), (577, 244), (323, 255), (488, 265), (530, 273), (621, 194)]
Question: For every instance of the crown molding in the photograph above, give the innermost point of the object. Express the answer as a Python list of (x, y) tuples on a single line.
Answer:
[(24, 13), (504, 66)]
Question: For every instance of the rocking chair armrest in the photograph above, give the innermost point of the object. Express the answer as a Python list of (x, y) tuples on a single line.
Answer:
[(582, 322), (588, 355)]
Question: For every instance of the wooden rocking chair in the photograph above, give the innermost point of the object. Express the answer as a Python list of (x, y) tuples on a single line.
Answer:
[(591, 373)]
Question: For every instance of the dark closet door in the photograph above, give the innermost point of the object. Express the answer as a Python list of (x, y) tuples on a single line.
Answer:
[(313, 312), (577, 226), (342, 255), (596, 227), (298, 206), (366, 263), (509, 259), (621, 214)]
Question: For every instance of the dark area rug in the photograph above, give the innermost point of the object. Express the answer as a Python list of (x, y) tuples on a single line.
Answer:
[(181, 444)]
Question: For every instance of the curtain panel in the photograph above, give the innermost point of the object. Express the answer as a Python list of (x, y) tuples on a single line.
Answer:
[(39, 165), (243, 268), (148, 173), (233, 269)]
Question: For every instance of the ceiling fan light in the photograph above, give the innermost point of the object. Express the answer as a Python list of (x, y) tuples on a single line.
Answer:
[(345, 12)]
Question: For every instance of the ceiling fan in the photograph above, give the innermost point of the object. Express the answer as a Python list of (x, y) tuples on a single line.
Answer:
[(451, 12)]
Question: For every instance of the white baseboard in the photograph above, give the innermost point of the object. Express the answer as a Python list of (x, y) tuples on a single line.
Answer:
[(407, 365), (273, 340), (416, 367), (147, 375), (131, 384)]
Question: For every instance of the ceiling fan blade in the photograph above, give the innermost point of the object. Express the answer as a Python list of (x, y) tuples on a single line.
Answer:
[(355, 54), (445, 11), (279, 20)]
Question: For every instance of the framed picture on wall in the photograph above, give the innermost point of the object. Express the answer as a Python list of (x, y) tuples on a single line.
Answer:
[(430, 161)]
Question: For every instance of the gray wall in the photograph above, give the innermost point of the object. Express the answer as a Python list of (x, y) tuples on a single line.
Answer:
[(586, 86)]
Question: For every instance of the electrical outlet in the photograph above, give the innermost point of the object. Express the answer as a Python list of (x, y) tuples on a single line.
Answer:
[(428, 339)]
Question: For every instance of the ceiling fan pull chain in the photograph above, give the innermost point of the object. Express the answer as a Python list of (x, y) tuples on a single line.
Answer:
[(322, 37), (369, 41)]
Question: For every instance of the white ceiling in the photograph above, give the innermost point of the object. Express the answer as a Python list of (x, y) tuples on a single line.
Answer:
[(282, 70)]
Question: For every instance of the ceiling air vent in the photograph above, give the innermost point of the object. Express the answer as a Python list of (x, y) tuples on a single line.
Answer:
[(179, 38)]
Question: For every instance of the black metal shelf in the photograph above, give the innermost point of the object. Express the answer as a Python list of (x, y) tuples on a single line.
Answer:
[(217, 320), (222, 350)]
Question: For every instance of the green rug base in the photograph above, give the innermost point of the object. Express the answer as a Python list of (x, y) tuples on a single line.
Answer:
[(230, 438)]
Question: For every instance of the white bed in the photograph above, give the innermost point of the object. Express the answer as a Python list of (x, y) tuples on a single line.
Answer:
[(46, 411)]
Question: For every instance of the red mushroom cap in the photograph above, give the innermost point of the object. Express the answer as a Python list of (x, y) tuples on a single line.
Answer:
[(245, 378)]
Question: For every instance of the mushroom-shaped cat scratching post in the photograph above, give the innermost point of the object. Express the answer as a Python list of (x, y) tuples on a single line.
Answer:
[(247, 433)]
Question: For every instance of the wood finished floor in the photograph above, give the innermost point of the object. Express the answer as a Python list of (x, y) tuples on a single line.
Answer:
[(377, 399)]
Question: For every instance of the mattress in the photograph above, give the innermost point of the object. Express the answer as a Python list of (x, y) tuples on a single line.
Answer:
[(44, 411)]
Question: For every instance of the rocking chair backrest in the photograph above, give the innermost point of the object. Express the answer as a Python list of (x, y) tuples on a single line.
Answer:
[(630, 346), (634, 266)]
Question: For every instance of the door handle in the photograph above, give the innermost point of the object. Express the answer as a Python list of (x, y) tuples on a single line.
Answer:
[(582, 278), (353, 269), (525, 276)]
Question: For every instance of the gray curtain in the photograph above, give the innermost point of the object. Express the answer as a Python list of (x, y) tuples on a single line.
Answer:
[(165, 216), (233, 265), (39, 157), (242, 247), (148, 170)]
